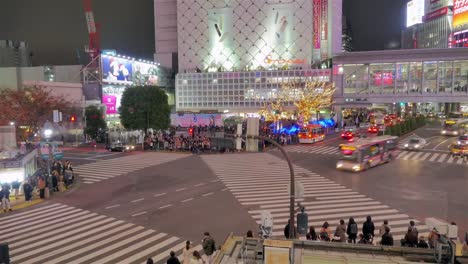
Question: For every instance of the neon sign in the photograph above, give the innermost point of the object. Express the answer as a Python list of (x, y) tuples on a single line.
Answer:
[(270, 60)]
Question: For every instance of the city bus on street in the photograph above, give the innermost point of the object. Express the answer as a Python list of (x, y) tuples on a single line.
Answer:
[(311, 133), (366, 153), (454, 127)]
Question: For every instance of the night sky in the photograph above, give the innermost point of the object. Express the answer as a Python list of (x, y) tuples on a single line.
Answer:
[(55, 29)]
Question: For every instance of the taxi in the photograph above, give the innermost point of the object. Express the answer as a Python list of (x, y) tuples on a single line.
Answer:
[(458, 150)]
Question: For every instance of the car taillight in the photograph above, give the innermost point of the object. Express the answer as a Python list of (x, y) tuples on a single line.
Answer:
[(342, 135), (310, 135)]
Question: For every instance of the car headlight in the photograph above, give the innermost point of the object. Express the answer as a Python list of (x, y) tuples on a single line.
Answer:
[(443, 131), (416, 146), (127, 148), (339, 165), (455, 133), (133, 147), (356, 167), (406, 145)]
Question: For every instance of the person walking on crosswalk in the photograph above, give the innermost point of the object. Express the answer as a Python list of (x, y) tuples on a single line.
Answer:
[(187, 253), (172, 258), (209, 247)]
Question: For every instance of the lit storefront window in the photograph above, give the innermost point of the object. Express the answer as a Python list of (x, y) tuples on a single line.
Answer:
[(355, 79)]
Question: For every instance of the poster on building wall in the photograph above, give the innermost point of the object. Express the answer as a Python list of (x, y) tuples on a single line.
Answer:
[(111, 97), (281, 19), (316, 29), (220, 28), (188, 120), (460, 13), (324, 30)]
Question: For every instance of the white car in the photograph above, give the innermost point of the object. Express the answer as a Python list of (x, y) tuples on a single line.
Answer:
[(415, 144), (462, 140)]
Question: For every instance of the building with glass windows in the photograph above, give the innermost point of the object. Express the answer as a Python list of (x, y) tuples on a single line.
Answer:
[(426, 76), (237, 92)]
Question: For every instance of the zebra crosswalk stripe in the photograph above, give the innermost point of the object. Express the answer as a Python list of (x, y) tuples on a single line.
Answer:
[(403, 154), (62, 234), (107, 169), (254, 187)]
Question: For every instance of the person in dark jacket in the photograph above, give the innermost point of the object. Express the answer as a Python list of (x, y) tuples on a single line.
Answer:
[(173, 259), (368, 229), (28, 189), (208, 247), (387, 238), (286, 229), (410, 240), (5, 198), (312, 235), (422, 243), (352, 230)]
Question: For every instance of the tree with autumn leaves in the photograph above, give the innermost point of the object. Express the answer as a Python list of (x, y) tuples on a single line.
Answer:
[(30, 108), (308, 98)]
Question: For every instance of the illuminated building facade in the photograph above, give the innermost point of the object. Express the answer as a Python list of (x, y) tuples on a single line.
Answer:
[(231, 47)]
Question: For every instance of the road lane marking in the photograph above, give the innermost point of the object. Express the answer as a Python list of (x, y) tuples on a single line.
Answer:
[(187, 200), (442, 157), (215, 180), (225, 189), (198, 185), (165, 206), (142, 213), (207, 194), (160, 194), (181, 189), (113, 206), (441, 143), (138, 200)]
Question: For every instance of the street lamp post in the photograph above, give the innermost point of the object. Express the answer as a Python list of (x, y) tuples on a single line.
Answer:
[(292, 233), (47, 135)]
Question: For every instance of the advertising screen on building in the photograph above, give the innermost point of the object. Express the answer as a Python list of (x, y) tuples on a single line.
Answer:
[(116, 70), (126, 71), (111, 97), (460, 13), (458, 39), (414, 12)]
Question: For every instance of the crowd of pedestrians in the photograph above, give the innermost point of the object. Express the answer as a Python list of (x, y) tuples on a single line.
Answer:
[(349, 233)]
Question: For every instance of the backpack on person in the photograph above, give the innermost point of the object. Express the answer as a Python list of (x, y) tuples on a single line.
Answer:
[(353, 229)]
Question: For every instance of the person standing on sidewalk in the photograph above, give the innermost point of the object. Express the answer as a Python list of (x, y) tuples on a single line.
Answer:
[(5, 197), (28, 189), (15, 186), (41, 186), (209, 247)]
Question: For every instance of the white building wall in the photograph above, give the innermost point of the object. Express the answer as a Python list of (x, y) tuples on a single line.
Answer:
[(165, 27), (335, 13), (8, 78)]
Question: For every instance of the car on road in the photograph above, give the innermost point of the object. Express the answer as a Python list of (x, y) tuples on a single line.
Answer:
[(120, 147), (462, 140), (349, 134), (414, 144), (373, 129), (457, 150)]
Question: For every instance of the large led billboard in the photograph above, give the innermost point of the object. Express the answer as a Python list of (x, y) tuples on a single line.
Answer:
[(126, 71), (414, 12), (460, 13)]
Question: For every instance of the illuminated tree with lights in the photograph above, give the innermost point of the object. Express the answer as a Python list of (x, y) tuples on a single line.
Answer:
[(308, 97)]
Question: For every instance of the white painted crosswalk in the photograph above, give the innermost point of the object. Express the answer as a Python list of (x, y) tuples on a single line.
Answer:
[(107, 169), (260, 182), (56, 233), (401, 154)]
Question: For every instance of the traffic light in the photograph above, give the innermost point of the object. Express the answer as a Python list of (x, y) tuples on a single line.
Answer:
[(73, 118), (190, 131)]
